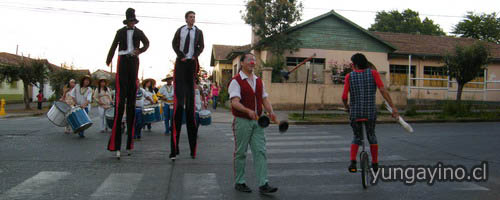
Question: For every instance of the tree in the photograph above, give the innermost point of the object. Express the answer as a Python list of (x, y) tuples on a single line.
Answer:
[(59, 78), (484, 27), (30, 71), (270, 20), (407, 21), (465, 63)]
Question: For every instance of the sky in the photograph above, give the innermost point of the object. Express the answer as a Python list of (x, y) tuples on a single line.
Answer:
[(80, 32)]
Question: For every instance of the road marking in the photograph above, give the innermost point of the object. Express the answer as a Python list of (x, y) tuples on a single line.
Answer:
[(305, 172), (34, 187), (308, 150), (117, 186), (201, 186), (326, 159), (300, 143), (303, 138), (325, 189)]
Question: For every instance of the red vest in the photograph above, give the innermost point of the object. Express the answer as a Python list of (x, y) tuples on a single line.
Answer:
[(249, 97)]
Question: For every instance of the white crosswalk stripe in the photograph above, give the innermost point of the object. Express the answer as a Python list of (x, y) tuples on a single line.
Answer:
[(34, 187), (303, 138), (325, 159), (118, 186), (303, 143), (201, 186)]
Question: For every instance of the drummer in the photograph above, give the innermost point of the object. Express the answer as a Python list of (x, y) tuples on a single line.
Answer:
[(198, 101), (141, 98), (66, 98), (82, 96), (102, 95), (148, 86), (167, 96)]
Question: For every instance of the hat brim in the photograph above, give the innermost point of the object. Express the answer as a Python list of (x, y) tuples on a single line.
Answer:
[(166, 79), (126, 21)]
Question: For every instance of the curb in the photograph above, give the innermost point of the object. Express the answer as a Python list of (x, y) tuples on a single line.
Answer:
[(391, 122), (22, 115)]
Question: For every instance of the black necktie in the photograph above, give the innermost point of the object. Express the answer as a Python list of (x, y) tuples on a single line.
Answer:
[(186, 42)]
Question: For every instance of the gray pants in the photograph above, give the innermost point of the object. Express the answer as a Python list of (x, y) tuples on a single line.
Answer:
[(357, 128)]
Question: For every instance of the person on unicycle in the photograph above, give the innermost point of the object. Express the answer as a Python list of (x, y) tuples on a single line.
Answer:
[(362, 83)]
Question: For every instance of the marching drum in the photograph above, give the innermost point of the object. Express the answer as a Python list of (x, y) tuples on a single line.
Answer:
[(205, 118), (78, 119), (57, 113), (110, 118), (152, 113), (148, 114)]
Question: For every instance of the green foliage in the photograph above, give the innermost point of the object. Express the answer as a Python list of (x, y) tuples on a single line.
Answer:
[(466, 62), (456, 109), (30, 71), (223, 95), (484, 27), (271, 19), (277, 63), (411, 111), (407, 21), (60, 78)]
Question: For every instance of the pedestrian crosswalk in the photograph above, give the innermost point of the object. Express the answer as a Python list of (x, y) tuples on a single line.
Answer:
[(34, 187), (313, 163), (117, 186)]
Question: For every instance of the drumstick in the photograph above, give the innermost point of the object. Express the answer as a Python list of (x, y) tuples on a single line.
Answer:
[(401, 121)]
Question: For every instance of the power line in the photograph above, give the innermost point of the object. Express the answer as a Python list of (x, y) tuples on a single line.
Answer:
[(225, 4), (49, 9)]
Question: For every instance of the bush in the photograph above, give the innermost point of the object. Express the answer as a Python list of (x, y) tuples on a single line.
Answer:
[(453, 108), (411, 111)]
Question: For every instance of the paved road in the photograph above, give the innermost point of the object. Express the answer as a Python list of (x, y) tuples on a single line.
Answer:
[(38, 161)]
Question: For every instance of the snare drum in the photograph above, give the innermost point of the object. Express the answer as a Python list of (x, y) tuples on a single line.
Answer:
[(78, 119), (57, 113), (148, 115), (153, 110), (110, 118), (205, 118)]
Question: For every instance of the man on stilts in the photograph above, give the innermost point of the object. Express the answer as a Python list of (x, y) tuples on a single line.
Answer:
[(128, 40), (188, 45)]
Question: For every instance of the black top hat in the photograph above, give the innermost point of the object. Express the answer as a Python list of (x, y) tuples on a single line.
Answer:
[(130, 14)]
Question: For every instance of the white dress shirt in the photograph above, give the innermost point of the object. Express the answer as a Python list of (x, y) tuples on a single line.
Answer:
[(235, 89), (130, 44), (184, 32)]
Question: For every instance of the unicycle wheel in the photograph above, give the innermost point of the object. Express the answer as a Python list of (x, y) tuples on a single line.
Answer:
[(364, 164)]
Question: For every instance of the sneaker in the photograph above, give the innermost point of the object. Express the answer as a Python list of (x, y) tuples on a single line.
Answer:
[(375, 167), (352, 167), (118, 155), (242, 188), (267, 189)]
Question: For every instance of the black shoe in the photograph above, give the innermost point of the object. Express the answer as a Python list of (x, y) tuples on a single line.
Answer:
[(242, 188), (172, 157), (267, 189), (193, 157), (352, 167), (375, 167)]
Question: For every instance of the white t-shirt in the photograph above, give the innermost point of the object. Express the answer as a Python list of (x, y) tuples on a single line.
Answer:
[(148, 94), (140, 98)]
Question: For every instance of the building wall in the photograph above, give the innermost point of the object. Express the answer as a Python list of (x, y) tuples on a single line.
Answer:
[(334, 33), (477, 93), (379, 59), (12, 93), (218, 69)]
